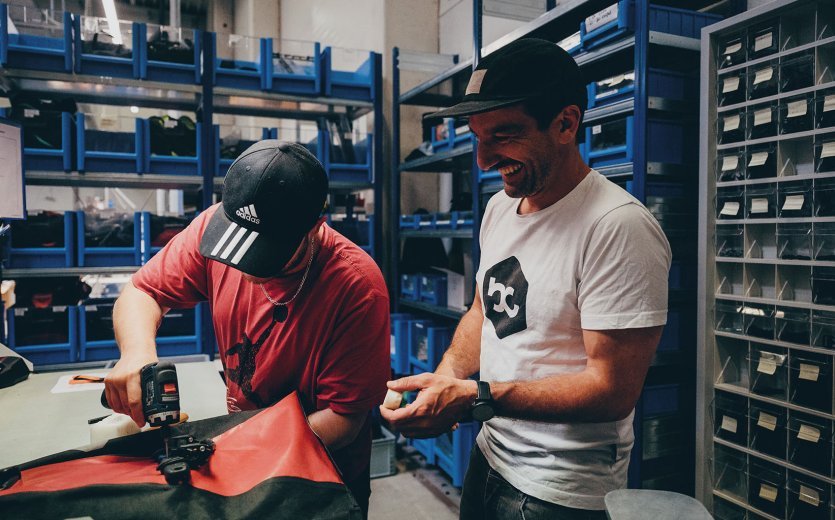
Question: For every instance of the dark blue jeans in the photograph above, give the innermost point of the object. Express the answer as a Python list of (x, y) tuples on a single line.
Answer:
[(488, 496)]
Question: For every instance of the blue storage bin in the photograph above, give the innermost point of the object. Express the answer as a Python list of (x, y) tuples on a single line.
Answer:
[(409, 221), (659, 400), (452, 450), (109, 256), (427, 344), (346, 169), (358, 231), (400, 342), (612, 142), (152, 234), (440, 135), (492, 175), (425, 447), (51, 159), (618, 20), (62, 254), (343, 80), (671, 337), (454, 220), (410, 286), (661, 83), (297, 69), (223, 163), (104, 151), (44, 336), (179, 333), (170, 54), (106, 58), (230, 69), (172, 164), (39, 43), (433, 289)]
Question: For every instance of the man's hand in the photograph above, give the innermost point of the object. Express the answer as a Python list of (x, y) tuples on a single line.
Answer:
[(441, 403), (123, 389)]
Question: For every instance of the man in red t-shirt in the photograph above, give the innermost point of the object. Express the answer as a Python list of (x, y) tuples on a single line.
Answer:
[(295, 305)]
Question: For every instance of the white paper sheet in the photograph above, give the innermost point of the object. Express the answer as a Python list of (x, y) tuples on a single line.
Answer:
[(762, 116), (793, 202), (759, 206), (763, 75), (729, 424), (730, 123), (767, 421), (730, 209), (763, 41), (758, 159), (828, 150), (730, 162), (809, 372), (730, 84), (733, 48), (798, 108), (809, 495), (809, 433)]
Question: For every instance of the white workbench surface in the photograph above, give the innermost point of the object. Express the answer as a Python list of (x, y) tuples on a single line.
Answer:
[(35, 422)]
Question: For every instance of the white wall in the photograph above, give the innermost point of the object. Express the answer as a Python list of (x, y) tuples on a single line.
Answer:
[(456, 28), (358, 24)]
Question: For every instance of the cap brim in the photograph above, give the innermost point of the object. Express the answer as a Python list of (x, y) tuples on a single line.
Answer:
[(244, 249), (468, 108)]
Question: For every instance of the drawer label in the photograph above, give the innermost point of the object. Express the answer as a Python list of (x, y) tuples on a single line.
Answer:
[(809, 433), (809, 495), (793, 202), (730, 209), (767, 421), (763, 75), (733, 48), (763, 41), (828, 149), (31, 112), (601, 18), (570, 42), (762, 116), (809, 372), (768, 492), (730, 123), (829, 103), (730, 84), (758, 159), (798, 108), (759, 206), (730, 162), (729, 424), (596, 129), (767, 365)]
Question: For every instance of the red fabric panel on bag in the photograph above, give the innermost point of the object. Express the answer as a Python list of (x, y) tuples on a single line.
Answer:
[(277, 442)]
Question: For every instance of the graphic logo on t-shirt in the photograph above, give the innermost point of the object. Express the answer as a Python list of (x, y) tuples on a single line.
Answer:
[(504, 292)]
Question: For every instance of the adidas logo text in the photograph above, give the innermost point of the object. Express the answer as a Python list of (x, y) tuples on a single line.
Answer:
[(248, 213)]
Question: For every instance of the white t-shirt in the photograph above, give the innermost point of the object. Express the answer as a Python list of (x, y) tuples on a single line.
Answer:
[(597, 260)]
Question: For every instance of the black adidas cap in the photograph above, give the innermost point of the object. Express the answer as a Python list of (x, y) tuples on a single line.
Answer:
[(520, 70), (273, 195)]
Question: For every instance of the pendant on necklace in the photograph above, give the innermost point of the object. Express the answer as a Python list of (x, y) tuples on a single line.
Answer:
[(279, 313)]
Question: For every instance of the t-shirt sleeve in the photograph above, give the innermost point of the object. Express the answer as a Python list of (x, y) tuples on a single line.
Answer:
[(356, 365), (624, 272), (176, 276)]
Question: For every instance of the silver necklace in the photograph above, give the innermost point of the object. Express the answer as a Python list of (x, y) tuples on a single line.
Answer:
[(304, 278)]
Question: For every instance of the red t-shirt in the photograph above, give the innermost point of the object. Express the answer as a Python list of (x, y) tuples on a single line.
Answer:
[(333, 346)]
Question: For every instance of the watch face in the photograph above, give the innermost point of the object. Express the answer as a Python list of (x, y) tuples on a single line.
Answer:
[(482, 412)]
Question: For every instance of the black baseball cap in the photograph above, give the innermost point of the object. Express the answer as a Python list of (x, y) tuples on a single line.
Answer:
[(524, 69), (273, 195)]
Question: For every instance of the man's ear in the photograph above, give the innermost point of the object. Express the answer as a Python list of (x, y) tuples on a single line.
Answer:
[(567, 124)]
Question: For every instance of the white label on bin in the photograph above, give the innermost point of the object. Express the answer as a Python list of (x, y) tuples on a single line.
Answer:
[(828, 149), (759, 206), (91, 308), (59, 308), (793, 202), (31, 112), (767, 365), (570, 42), (730, 209), (762, 116), (758, 159), (829, 103), (809, 372), (763, 41), (20, 312), (596, 129), (730, 162), (729, 424), (809, 495), (393, 345), (767, 421), (601, 18), (733, 48), (461, 130), (768, 492), (798, 108), (763, 75), (730, 84), (809, 433), (730, 123)]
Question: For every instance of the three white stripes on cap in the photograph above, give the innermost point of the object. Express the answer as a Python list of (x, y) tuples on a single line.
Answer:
[(250, 238)]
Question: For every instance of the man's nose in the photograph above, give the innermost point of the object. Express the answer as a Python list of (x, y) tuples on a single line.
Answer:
[(485, 156)]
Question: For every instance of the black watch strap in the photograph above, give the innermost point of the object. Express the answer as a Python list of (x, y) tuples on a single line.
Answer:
[(483, 391)]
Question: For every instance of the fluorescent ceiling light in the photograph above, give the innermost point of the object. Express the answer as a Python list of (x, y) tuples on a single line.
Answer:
[(112, 21)]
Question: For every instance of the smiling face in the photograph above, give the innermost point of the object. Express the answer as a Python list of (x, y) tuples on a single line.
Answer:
[(535, 164)]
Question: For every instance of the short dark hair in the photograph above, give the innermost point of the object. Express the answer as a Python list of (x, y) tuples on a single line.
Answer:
[(545, 108)]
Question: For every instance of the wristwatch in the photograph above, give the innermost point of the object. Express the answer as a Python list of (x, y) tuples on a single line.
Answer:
[(483, 405)]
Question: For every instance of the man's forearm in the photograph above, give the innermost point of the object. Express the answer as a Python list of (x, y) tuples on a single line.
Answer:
[(136, 317), (461, 359), (335, 430)]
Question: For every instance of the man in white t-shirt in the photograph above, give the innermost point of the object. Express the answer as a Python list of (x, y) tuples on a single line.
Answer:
[(570, 303)]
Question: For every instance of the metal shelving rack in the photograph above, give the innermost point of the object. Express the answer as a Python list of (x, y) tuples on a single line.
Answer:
[(645, 179), (204, 99), (766, 316)]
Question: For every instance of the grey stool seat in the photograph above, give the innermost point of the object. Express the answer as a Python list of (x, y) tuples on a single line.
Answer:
[(644, 504)]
